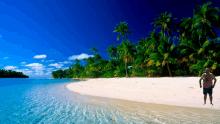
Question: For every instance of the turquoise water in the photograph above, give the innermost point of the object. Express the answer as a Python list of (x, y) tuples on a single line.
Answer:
[(48, 101)]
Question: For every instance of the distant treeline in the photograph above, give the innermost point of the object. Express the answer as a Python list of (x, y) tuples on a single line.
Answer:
[(11, 74), (197, 48)]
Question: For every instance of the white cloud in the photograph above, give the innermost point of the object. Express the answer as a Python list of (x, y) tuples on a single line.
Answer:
[(34, 64), (23, 63), (25, 71), (49, 69), (56, 65), (48, 73), (37, 67), (42, 60), (36, 70), (5, 57), (49, 60), (40, 56), (10, 67), (65, 68), (66, 62), (81, 56)]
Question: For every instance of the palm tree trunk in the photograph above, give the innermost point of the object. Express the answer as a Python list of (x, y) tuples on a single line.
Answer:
[(169, 69), (143, 70), (133, 73), (117, 60), (148, 69), (126, 70), (164, 33)]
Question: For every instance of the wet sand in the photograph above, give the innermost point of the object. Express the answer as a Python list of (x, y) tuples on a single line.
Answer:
[(162, 113), (176, 100)]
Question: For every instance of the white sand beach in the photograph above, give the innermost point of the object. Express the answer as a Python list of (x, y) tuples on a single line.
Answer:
[(178, 91)]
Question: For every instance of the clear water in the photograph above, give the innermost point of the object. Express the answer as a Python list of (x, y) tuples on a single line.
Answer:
[(48, 101)]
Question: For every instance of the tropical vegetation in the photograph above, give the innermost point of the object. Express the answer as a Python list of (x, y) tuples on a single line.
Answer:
[(11, 74), (157, 55)]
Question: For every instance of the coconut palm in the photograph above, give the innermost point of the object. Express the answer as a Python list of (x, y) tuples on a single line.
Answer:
[(97, 57), (84, 60), (151, 44), (101, 68), (199, 55), (185, 27), (165, 22), (93, 49), (205, 19), (142, 53), (211, 52), (112, 51), (126, 51), (123, 30), (166, 54), (153, 41)]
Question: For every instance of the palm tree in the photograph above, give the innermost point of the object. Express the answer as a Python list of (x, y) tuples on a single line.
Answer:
[(165, 55), (112, 51), (210, 52), (97, 57), (93, 49), (150, 46), (142, 53), (122, 29), (77, 61), (153, 41), (165, 22), (126, 51), (84, 60), (101, 67), (185, 27), (205, 19)]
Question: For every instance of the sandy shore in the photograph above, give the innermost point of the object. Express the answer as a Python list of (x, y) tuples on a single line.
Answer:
[(178, 91)]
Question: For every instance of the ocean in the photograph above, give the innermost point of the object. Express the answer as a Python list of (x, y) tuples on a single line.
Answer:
[(48, 101)]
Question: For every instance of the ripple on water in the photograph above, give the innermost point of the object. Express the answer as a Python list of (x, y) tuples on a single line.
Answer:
[(53, 103)]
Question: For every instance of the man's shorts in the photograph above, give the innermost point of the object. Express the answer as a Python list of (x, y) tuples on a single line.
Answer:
[(207, 90)]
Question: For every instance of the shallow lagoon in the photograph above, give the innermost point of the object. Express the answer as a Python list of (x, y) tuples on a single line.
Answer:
[(49, 101)]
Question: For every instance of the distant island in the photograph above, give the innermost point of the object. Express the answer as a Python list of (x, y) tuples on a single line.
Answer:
[(11, 74)]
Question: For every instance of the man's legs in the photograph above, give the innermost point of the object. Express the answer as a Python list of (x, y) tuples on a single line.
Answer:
[(205, 96), (210, 97)]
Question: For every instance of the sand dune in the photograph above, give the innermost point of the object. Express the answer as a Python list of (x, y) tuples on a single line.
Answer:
[(178, 91)]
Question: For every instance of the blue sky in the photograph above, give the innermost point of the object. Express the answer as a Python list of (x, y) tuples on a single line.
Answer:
[(38, 37)]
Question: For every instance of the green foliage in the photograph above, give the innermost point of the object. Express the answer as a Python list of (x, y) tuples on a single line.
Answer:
[(123, 30), (11, 74), (157, 55)]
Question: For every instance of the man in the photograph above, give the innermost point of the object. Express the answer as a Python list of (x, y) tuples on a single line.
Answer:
[(207, 84)]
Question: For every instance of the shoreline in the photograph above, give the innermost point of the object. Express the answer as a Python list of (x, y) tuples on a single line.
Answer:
[(175, 91)]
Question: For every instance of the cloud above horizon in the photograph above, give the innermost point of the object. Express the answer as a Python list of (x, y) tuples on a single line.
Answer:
[(25, 71), (49, 60), (34, 69), (56, 65), (40, 56), (81, 56), (10, 67), (5, 57), (66, 62), (37, 67), (64, 68), (23, 62)]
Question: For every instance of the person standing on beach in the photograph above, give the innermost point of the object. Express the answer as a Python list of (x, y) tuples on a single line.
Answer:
[(207, 78)]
